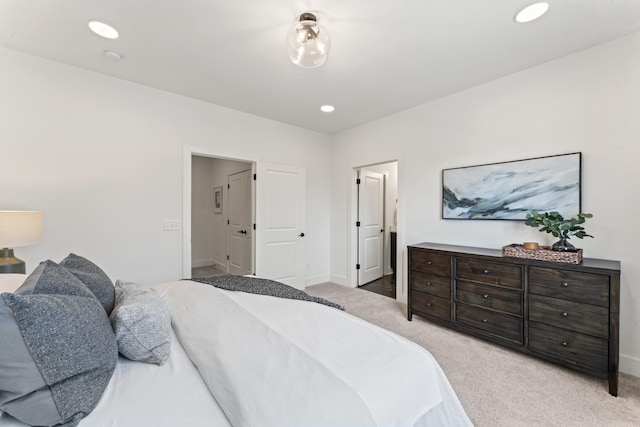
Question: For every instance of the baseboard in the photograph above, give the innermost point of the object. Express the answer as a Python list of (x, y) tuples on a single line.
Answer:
[(221, 265), (202, 263), (340, 280), (630, 365), (310, 281), (208, 263)]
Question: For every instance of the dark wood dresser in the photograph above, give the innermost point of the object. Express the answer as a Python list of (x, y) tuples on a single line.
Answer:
[(564, 313)]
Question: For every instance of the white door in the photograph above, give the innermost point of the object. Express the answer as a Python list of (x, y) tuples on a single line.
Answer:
[(240, 226), (280, 222), (371, 229)]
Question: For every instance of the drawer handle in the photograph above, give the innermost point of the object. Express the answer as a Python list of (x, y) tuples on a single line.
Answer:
[(565, 285), (486, 272), (565, 344), (428, 304), (428, 283), (484, 320), (565, 314), (485, 296), (428, 262)]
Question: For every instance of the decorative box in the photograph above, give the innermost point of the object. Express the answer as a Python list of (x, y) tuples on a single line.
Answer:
[(543, 253)]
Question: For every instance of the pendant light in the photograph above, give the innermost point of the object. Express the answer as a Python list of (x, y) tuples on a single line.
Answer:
[(308, 42)]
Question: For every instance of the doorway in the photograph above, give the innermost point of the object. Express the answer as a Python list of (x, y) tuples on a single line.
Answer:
[(222, 217), (376, 224), (278, 205)]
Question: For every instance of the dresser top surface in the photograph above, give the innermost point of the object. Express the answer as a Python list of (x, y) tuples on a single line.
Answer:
[(497, 253)]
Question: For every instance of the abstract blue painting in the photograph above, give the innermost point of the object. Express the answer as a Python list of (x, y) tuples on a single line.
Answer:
[(509, 190)]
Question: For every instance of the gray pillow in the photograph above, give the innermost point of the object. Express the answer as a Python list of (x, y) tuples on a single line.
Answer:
[(142, 324), (57, 356), (93, 278), (51, 278)]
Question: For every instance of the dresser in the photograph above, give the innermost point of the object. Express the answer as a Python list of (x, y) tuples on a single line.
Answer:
[(563, 313)]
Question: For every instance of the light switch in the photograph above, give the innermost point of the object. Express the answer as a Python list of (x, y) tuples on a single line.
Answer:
[(171, 225)]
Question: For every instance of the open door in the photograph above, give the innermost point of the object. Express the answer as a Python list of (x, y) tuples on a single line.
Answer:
[(240, 226), (371, 226), (280, 238)]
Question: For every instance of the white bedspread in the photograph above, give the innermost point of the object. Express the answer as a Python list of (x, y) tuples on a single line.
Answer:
[(278, 362)]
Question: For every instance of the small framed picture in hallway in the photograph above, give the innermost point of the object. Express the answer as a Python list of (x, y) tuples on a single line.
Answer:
[(217, 200)]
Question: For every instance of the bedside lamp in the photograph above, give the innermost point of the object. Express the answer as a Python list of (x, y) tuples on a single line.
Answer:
[(17, 228)]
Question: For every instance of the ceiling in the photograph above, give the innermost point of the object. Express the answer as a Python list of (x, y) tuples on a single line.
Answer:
[(387, 56)]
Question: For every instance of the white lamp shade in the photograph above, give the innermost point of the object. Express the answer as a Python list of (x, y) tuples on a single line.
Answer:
[(20, 228), (308, 43)]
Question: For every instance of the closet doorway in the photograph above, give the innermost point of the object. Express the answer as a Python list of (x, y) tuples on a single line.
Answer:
[(222, 217), (376, 223)]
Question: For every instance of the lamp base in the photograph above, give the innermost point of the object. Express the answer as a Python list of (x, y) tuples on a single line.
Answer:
[(9, 263)]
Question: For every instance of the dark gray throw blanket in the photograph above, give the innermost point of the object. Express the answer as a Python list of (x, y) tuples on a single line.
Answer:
[(253, 285)]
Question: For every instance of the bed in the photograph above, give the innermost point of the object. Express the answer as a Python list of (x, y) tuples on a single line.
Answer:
[(245, 359)]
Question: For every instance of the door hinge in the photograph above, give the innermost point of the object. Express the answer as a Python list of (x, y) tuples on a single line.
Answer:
[(357, 223), (228, 186), (254, 176), (228, 222), (227, 257), (357, 266), (254, 226), (358, 181)]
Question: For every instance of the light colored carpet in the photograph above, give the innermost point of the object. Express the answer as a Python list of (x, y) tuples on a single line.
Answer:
[(497, 386)]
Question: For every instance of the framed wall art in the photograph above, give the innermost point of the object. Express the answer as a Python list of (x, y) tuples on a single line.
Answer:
[(217, 200), (509, 190)]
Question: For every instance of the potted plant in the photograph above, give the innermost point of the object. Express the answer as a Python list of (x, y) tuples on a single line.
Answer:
[(554, 223)]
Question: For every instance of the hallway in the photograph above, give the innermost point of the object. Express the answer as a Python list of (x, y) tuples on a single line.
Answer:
[(383, 286)]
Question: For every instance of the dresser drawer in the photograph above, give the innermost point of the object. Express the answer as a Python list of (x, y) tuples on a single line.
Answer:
[(431, 284), (571, 285), (578, 317), (431, 305), (430, 262), (502, 325), (574, 348), (489, 296), (489, 272)]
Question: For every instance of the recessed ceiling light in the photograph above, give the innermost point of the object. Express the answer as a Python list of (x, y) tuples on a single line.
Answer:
[(327, 108), (104, 30), (532, 12)]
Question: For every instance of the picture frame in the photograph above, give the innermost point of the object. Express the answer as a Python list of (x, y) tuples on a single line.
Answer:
[(217, 200), (509, 190)]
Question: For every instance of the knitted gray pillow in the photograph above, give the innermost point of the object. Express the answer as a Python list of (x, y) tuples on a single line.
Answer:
[(51, 278), (57, 356), (142, 324), (93, 278)]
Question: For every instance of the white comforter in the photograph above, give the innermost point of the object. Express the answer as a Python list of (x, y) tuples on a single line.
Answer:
[(278, 362)]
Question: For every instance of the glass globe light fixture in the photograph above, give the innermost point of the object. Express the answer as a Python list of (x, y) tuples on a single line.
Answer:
[(308, 42)]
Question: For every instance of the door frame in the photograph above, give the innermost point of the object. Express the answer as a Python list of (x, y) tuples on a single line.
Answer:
[(187, 153), (352, 236)]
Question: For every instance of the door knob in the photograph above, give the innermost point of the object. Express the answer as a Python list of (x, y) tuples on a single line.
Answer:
[(301, 234)]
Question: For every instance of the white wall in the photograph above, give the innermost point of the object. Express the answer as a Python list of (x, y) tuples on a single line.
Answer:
[(202, 212), (587, 102), (103, 159)]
